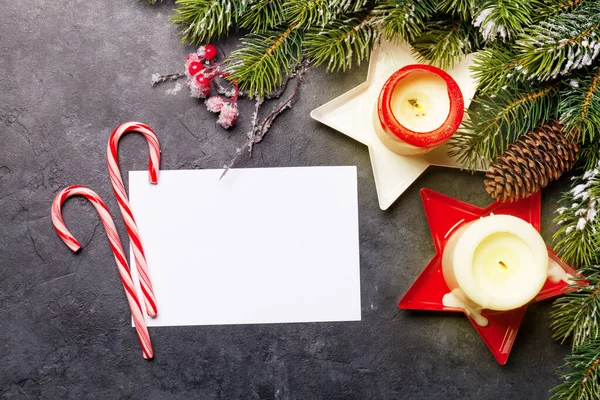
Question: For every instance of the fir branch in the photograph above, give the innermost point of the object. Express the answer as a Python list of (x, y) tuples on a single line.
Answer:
[(495, 121), (580, 108), (402, 20), (559, 6), (577, 218), (307, 13), (445, 41), (346, 42), (259, 65), (463, 9), (204, 20), (580, 375), (563, 43), (576, 315), (589, 155), (505, 19), (263, 15), (496, 68)]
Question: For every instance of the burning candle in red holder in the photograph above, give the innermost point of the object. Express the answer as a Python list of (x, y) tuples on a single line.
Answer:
[(419, 108)]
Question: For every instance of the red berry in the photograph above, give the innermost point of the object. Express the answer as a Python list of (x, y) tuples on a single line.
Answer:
[(202, 81), (210, 52), (194, 67)]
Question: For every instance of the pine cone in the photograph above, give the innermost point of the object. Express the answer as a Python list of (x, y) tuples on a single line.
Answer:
[(539, 157)]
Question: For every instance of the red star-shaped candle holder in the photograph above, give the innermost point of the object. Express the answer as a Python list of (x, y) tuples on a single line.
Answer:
[(444, 215)]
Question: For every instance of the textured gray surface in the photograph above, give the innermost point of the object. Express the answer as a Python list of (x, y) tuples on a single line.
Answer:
[(70, 71)]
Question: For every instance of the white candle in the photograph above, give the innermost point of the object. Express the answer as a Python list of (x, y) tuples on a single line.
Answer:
[(421, 103), (499, 262)]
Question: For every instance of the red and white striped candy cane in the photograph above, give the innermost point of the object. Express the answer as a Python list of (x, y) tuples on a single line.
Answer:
[(117, 248), (112, 159)]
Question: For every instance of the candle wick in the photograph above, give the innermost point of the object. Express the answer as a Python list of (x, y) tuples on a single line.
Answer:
[(503, 265), (415, 103)]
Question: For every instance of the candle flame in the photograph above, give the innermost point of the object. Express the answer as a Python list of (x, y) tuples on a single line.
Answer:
[(503, 265)]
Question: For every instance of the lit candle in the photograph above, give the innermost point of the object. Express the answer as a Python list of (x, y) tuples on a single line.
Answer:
[(419, 108), (499, 262)]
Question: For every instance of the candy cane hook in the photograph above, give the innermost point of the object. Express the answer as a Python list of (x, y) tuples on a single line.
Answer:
[(112, 159), (117, 248)]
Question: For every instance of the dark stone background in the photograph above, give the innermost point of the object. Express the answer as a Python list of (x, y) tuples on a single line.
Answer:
[(70, 72)]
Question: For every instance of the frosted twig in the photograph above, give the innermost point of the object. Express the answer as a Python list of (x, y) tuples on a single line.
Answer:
[(259, 130), (158, 78)]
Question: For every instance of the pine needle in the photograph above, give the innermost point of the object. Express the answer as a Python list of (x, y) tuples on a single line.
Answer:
[(579, 109), (445, 41), (402, 20), (259, 65), (348, 43), (204, 20)]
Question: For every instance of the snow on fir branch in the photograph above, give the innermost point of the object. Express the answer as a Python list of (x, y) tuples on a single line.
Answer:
[(504, 19), (580, 375), (402, 19), (578, 220), (561, 44), (576, 315), (580, 108)]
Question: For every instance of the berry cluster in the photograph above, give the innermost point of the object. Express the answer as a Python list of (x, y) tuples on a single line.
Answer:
[(201, 69)]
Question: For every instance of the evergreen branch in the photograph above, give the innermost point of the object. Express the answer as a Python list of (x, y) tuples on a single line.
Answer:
[(589, 155), (204, 20), (263, 15), (576, 315), (559, 6), (259, 65), (347, 41), (445, 41), (563, 43), (463, 9), (402, 20), (494, 122), (579, 110), (505, 19), (307, 13), (496, 68), (580, 375), (577, 219)]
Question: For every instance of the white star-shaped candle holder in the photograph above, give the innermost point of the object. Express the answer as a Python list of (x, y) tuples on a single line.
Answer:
[(352, 114)]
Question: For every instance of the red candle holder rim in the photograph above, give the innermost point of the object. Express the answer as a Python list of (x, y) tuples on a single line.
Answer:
[(420, 139)]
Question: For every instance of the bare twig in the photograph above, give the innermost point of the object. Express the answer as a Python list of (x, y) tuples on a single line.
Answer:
[(258, 131)]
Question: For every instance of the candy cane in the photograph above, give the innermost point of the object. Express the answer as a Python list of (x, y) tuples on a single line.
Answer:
[(112, 159), (117, 248)]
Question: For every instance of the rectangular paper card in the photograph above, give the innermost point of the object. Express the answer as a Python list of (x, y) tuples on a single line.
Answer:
[(265, 245)]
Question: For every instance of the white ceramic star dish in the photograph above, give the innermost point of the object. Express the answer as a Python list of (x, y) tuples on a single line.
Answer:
[(352, 114)]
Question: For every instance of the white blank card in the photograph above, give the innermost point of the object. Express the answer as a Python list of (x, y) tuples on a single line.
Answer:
[(266, 245)]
